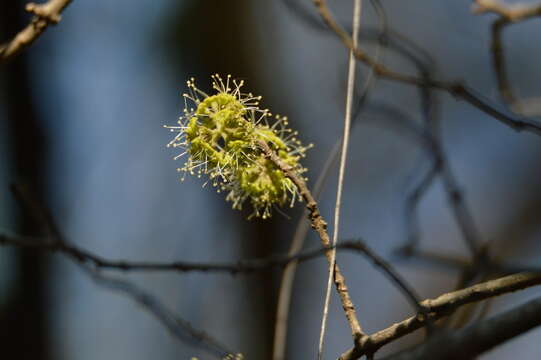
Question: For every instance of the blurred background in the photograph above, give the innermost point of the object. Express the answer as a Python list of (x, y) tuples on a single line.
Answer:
[(81, 121)]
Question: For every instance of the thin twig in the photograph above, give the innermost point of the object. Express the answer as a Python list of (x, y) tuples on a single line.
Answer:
[(440, 166), (357, 6), (302, 227), (176, 326), (456, 89), (288, 275), (320, 226), (444, 261), (179, 328), (44, 15), (244, 266)]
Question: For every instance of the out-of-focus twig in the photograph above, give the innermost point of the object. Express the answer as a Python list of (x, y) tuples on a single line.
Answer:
[(508, 14), (457, 89), (44, 15), (445, 261), (178, 327), (511, 12)]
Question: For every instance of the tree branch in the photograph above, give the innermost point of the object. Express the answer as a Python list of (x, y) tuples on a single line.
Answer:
[(240, 266), (442, 306), (44, 15), (477, 338), (320, 226), (179, 328), (508, 14), (456, 89)]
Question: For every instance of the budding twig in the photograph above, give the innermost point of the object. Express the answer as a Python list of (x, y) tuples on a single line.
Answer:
[(320, 226)]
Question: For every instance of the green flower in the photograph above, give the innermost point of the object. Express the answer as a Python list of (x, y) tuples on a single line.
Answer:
[(220, 138)]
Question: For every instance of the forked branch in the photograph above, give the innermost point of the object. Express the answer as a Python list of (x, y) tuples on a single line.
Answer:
[(442, 306), (456, 89)]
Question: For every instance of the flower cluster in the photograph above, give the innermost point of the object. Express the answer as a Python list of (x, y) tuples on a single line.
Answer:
[(219, 136)]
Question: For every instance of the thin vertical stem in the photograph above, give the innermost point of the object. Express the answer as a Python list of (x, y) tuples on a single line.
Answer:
[(341, 173)]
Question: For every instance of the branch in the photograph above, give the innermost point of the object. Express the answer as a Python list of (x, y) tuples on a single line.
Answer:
[(320, 226), (442, 306), (240, 266), (91, 262), (286, 282), (479, 337), (508, 14), (456, 89), (357, 8), (179, 328), (176, 326), (44, 15)]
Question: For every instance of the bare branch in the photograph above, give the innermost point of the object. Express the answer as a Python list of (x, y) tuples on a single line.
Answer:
[(288, 275), (44, 15), (442, 306), (179, 328), (508, 14), (479, 337), (240, 266), (456, 89), (320, 226), (286, 283), (357, 8), (176, 326)]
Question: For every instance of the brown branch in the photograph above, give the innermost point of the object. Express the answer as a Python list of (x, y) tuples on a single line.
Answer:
[(508, 14), (477, 338), (456, 89), (320, 226), (44, 15), (442, 306)]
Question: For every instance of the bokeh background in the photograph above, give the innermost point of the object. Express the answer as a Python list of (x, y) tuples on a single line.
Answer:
[(81, 116)]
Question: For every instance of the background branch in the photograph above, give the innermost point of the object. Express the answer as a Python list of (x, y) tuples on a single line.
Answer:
[(457, 89), (179, 328), (507, 14), (44, 15)]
